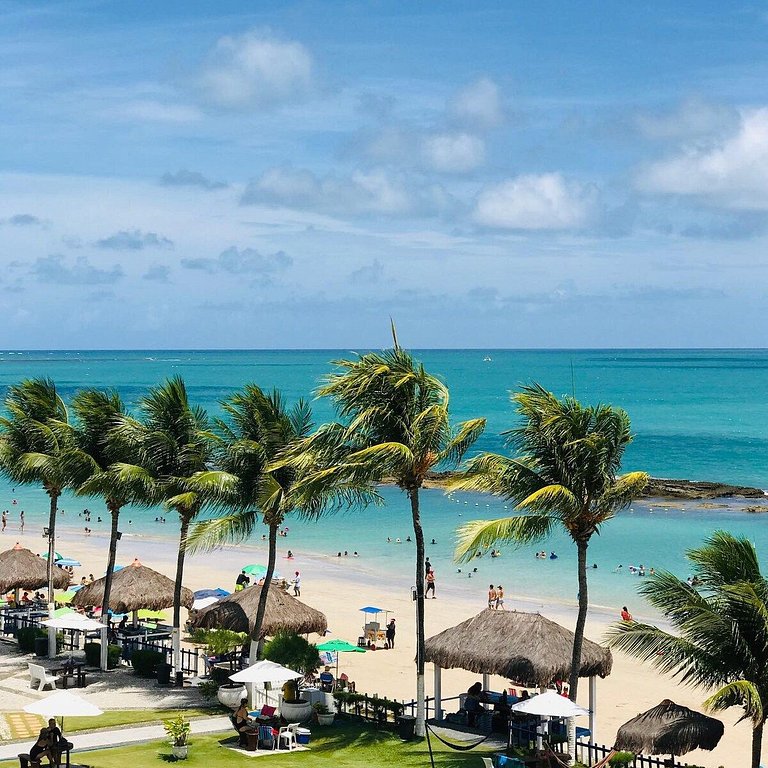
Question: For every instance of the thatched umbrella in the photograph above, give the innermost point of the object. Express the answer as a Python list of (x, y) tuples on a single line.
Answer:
[(20, 569), (669, 729), (525, 647), (283, 613), (133, 588)]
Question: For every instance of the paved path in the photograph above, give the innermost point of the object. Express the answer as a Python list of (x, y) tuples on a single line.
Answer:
[(118, 737)]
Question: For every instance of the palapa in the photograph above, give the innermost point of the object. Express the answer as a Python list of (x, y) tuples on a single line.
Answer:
[(669, 729), (22, 569), (133, 588), (524, 647), (284, 613)]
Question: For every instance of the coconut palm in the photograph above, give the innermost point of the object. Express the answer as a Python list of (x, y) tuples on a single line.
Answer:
[(258, 430), (564, 474), (395, 426), (36, 448), (172, 448), (720, 629)]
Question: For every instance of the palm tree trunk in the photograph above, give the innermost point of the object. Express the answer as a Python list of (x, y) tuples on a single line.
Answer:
[(261, 610), (54, 494), (185, 520), (757, 744), (578, 638), (114, 510), (418, 533)]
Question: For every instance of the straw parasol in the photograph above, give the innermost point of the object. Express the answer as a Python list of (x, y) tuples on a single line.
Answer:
[(525, 647), (133, 588), (669, 729), (20, 569), (283, 614)]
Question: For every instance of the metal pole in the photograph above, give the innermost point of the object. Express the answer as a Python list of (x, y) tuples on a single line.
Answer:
[(592, 708)]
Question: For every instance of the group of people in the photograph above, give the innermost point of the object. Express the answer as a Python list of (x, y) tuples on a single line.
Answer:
[(4, 520), (496, 598), (543, 555), (50, 744)]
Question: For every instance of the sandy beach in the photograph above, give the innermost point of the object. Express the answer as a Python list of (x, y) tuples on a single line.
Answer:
[(340, 587)]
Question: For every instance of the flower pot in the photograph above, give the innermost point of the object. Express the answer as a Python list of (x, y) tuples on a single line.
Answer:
[(295, 711), (180, 753), (231, 694), (325, 719)]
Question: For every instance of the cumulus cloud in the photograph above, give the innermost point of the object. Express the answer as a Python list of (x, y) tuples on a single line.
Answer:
[(60, 271), (363, 192), (133, 240), (532, 202), (246, 261), (23, 220), (157, 273), (477, 105), (732, 172), (453, 152), (185, 178), (255, 70), (370, 274)]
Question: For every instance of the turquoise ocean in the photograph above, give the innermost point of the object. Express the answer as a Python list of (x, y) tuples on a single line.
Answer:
[(699, 415)]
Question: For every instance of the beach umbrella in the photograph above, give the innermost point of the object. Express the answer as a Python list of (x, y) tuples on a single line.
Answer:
[(134, 588), (204, 602), (218, 592), (283, 613), (66, 598), (74, 620), (265, 672), (56, 556), (22, 569), (337, 647), (63, 704), (259, 572), (68, 562), (549, 704), (669, 729)]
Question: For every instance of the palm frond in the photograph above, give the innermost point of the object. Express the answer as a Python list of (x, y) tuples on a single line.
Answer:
[(482, 534)]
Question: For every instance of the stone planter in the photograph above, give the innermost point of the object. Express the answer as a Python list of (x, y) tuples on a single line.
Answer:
[(295, 711), (230, 694), (326, 719), (180, 753)]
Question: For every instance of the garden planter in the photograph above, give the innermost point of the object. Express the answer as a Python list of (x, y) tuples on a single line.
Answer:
[(180, 753), (295, 711), (231, 694), (326, 719)]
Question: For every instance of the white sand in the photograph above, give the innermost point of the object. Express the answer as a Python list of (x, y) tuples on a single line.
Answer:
[(340, 587)]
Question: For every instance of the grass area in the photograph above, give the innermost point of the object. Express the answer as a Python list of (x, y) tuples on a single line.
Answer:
[(343, 745), (117, 717)]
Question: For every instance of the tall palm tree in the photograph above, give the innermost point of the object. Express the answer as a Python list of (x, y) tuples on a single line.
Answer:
[(720, 629), (104, 473), (564, 474), (36, 447), (395, 426), (172, 448), (259, 429)]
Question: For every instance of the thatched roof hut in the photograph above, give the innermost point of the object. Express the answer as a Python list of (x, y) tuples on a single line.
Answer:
[(524, 647), (669, 729), (133, 588), (22, 569), (284, 613)]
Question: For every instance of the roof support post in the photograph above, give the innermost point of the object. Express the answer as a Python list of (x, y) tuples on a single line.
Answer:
[(438, 693)]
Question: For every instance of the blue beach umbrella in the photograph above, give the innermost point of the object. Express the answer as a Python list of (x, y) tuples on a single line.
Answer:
[(201, 594), (67, 562)]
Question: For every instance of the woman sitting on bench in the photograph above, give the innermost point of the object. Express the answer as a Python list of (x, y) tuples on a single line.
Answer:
[(49, 744)]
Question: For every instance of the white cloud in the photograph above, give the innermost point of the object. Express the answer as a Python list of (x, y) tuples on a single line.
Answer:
[(532, 202), (477, 105), (694, 117), (453, 152), (732, 172), (153, 111), (255, 70)]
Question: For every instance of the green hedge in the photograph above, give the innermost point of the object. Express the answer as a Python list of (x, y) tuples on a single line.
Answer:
[(93, 655), (145, 663)]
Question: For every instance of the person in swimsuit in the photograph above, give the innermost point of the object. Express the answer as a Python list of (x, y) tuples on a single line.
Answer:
[(499, 598), (430, 584), (492, 595)]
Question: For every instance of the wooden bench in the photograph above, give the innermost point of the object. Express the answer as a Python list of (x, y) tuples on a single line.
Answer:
[(25, 761), (38, 673)]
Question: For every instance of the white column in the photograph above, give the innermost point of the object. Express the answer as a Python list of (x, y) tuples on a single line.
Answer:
[(104, 648), (486, 685), (438, 692), (593, 708)]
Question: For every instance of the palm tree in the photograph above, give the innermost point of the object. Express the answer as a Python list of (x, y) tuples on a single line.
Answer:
[(258, 431), (36, 447), (395, 427), (172, 449), (565, 474), (720, 629)]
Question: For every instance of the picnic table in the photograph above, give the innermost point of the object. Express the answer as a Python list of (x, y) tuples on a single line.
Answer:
[(71, 669)]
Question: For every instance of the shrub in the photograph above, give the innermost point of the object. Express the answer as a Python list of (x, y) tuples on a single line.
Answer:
[(621, 759), (208, 689), (93, 655), (218, 642), (178, 729), (26, 638), (145, 662), (293, 652)]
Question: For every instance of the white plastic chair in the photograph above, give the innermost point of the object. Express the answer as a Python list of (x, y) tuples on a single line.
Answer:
[(487, 762), (289, 734), (38, 674)]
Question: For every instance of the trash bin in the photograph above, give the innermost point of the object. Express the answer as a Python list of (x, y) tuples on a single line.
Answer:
[(406, 727), (41, 646), (164, 674)]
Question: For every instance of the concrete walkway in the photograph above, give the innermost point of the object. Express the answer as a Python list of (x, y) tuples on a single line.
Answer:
[(118, 737)]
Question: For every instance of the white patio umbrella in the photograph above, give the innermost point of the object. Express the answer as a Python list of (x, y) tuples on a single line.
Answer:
[(549, 704), (74, 621), (63, 704), (263, 672)]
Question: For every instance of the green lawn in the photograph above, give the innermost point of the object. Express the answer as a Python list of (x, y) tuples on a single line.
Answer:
[(343, 745), (117, 717)]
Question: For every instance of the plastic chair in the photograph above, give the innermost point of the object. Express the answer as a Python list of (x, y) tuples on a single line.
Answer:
[(289, 735)]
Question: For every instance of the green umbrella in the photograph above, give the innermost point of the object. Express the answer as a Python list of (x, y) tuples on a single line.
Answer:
[(56, 556), (66, 597), (258, 571), (339, 646)]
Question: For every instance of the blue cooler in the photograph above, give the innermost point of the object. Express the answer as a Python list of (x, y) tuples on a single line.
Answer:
[(302, 735)]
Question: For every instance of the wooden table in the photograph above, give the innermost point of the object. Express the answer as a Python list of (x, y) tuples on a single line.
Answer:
[(75, 670)]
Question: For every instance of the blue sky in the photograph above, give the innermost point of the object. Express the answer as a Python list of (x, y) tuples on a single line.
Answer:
[(290, 174)]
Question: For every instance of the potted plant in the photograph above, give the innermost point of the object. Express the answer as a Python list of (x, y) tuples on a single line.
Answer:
[(178, 729), (323, 714), (296, 653)]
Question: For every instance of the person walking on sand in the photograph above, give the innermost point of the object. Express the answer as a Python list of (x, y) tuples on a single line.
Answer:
[(430, 584), (391, 634), (625, 614), (297, 585), (21, 520), (5, 520), (492, 595), (499, 598)]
